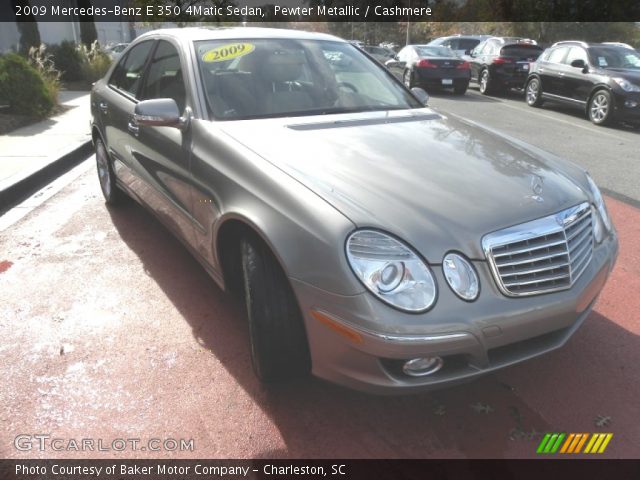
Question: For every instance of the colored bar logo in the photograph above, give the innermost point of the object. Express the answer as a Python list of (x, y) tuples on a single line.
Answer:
[(574, 442)]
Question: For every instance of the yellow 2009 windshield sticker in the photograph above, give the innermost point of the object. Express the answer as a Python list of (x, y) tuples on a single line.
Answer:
[(227, 52)]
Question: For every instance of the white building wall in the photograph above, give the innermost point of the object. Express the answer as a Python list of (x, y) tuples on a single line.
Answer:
[(57, 32), (9, 36)]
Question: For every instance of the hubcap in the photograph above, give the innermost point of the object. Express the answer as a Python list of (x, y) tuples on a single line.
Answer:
[(103, 171), (599, 107), (532, 92), (483, 80)]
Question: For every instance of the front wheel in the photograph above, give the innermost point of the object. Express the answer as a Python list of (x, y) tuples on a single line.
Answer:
[(111, 192), (601, 108), (534, 93), (279, 348)]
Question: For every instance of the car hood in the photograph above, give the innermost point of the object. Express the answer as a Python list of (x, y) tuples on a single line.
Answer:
[(629, 74), (439, 183)]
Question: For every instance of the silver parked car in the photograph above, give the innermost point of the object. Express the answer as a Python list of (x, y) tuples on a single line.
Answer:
[(378, 243)]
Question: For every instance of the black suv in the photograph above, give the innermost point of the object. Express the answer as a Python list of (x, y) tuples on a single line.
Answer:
[(601, 79), (500, 63)]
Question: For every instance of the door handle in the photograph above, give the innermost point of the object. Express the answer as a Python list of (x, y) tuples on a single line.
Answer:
[(540, 69), (104, 107), (133, 127)]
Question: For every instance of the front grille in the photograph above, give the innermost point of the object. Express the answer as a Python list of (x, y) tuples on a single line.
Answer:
[(541, 256)]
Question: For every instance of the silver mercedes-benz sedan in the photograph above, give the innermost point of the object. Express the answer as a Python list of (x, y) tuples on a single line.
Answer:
[(378, 244)]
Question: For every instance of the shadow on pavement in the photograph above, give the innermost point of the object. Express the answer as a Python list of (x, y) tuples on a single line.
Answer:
[(489, 418)]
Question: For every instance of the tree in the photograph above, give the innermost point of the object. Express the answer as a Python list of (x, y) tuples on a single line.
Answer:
[(88, 33), (28, 29)]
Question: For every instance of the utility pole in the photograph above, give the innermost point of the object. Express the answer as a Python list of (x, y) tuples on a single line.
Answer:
[(408, 25)]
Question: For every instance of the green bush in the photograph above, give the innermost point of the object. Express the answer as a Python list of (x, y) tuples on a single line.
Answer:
[(67, 60), (95, 62), (42, 61), (23, 88)]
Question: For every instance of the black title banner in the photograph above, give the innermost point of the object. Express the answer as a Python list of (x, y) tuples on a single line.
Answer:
[(316, 469), (218, 11)]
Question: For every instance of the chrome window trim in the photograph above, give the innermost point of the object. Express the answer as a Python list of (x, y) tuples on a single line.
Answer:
[(549, 225)]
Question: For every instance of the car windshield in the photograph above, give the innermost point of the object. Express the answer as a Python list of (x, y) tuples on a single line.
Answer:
[(614, 57), (435, 51), (261, 78)]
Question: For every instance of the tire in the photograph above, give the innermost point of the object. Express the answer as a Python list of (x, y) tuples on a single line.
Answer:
[(407, 79), (113, 195), (279, 348), (485, 82), (460, 89), (600, 109), (533, 93)]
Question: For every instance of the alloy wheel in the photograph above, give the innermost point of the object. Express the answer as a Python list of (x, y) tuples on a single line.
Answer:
[(533, 90), (103, 171), (407, 79), (484, 80), (599, 107)]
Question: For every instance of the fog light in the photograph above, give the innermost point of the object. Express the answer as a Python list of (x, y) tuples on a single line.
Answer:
[(630, 104), (422, 366)]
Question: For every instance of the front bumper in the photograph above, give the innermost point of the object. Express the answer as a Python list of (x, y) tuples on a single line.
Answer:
[(627, 106), (473, 338)]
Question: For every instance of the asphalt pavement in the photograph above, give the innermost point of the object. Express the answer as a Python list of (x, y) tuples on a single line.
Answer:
[(611, 154), (112, 330)]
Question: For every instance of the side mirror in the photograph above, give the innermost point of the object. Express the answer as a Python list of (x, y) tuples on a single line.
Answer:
[(467, 52), (578, 63), (160, 112), (421, 95)]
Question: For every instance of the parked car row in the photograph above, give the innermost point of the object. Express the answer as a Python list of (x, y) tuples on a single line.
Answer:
[(602, 79)]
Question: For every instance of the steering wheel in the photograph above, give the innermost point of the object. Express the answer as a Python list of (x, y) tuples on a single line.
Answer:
[(348, 86)]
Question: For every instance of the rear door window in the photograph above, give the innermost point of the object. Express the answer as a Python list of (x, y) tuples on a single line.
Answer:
[(521, 51), (557, 55)]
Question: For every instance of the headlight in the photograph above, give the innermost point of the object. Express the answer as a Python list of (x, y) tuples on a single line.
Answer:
[(461, 276), (599, 202), (391, 270), (626, 85)]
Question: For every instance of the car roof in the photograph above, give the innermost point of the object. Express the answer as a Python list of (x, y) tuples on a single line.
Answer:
[(472, 37), (592, 44), (229, 33)]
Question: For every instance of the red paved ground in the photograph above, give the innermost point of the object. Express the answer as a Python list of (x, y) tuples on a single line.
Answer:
[(111, 330)]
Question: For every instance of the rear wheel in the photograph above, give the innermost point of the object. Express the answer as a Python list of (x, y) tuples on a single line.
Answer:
[(601, 108), (407, 78), (111, 192), (460, 89), (486, 83), (534, 93), (279, 348)]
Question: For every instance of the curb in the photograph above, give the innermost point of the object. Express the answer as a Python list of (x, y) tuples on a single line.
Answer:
[(35, 180)]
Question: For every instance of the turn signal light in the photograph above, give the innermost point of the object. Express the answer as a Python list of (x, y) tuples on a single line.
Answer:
[(337, 327)]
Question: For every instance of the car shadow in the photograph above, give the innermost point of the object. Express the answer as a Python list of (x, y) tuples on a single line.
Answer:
[(503, 414)]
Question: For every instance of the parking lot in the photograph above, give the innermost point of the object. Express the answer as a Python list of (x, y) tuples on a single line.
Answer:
[(112, 331)]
